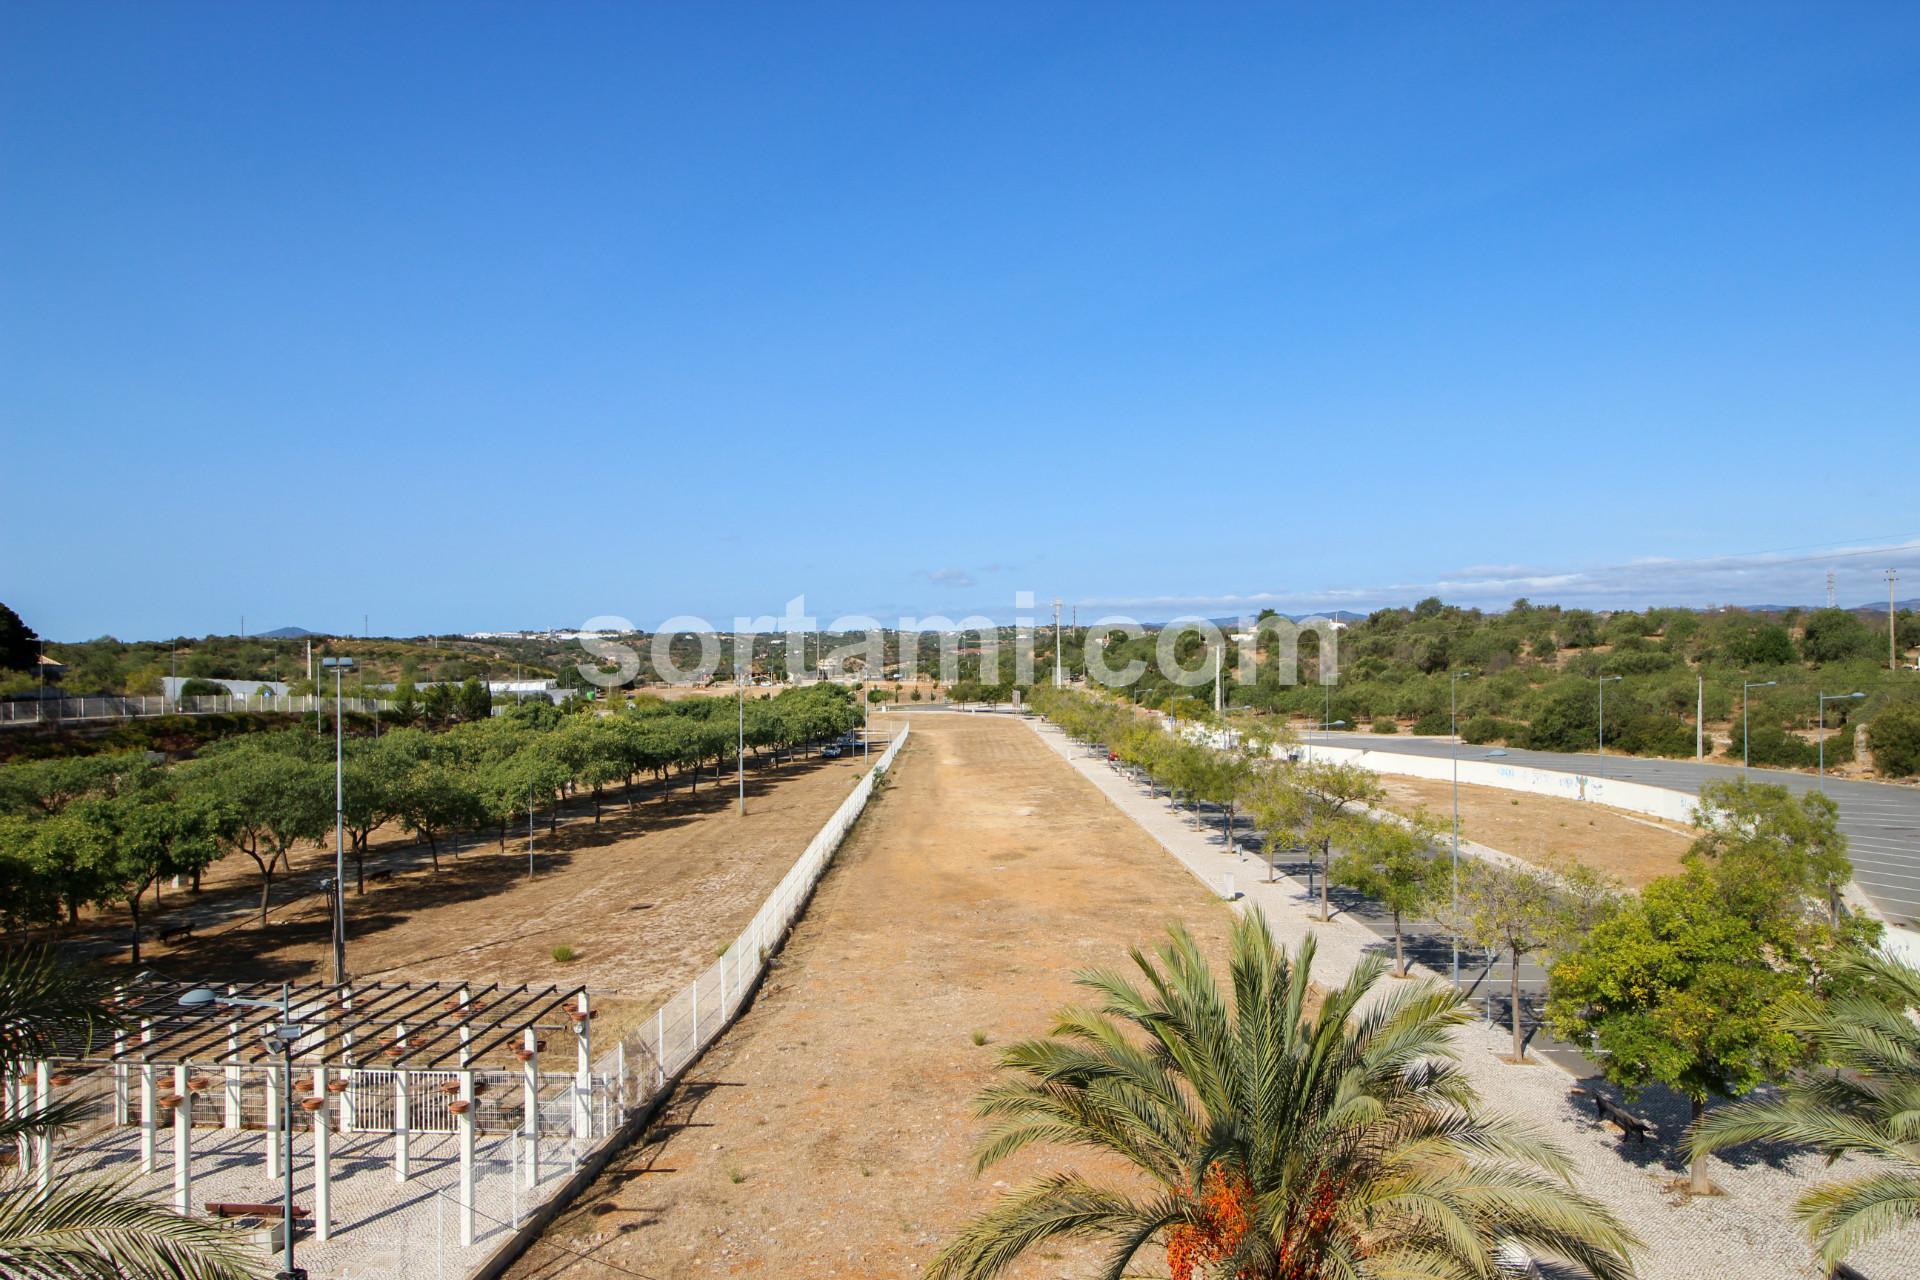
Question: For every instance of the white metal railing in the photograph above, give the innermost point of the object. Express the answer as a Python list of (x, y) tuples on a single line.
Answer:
[(662, 1046), (134, 706)]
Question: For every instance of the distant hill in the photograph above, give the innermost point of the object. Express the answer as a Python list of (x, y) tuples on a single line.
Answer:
[(287, 633)]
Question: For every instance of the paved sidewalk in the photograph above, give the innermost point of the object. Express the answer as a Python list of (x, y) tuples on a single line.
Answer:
[(1747, 1232)]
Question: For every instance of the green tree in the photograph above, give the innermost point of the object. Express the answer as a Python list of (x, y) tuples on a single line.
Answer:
[(1267, 1141), (1520, 910), (83, 1230), (19, 646), (1334, 793), (1278, 808), (1676, 989), (149, 829), (1860, 1102), (1835, 635), (1893, 736), (1396, 864), (1777, 860), (261, 800), (473, 701), (433, 798)]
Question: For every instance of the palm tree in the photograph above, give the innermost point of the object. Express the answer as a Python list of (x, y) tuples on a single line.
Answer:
[(78, 1231), (1866, 1107), (1273, 1142)]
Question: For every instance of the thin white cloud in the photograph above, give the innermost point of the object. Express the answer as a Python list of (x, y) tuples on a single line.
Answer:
[(1797, 576), (949, 577)]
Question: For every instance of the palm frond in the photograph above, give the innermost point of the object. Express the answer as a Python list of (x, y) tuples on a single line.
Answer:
[(84, 1231)]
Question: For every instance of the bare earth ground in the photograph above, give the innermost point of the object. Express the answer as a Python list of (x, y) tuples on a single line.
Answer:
[(829, 1133), (646, 899), (1631, 846)]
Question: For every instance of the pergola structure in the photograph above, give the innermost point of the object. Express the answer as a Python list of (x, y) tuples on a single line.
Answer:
[(401, 1058)]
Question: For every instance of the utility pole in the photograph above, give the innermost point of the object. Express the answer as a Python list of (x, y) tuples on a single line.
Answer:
[(1219, 664), (1830, 594), (1057, 679), (339, 830), (1893, 649), (740, 744), (1700, 721)]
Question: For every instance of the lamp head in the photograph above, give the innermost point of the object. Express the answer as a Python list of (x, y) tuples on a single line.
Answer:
[(198, 998)]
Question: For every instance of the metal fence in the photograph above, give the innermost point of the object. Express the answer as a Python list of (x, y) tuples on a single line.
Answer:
[(634, 1072), (659, 1049), (117, 707)]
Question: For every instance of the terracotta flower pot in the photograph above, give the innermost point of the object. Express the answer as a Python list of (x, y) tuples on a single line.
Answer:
[(460, 1106)]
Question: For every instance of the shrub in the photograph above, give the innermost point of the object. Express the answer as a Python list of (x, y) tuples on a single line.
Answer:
[(565, 954), (1484, 728), (1385, 724), (1433, 722), (1894, 737), (1771, 744)]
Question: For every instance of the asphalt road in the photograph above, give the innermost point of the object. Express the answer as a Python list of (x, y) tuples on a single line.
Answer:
[(1881, 820)]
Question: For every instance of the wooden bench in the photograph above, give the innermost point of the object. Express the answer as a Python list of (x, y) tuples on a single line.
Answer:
[(1605, 1108), (173, 933), (241, 1209)]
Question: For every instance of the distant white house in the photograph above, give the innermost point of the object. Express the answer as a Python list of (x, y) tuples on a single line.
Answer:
[(248, 689)]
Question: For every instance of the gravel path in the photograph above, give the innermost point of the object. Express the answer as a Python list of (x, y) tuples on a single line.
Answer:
[(1746, 1232)]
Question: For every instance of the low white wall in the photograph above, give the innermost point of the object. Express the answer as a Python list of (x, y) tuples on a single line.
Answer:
[(1635, 797)]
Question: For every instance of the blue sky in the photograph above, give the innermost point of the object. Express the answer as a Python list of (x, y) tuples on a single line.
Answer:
[(498, 316)]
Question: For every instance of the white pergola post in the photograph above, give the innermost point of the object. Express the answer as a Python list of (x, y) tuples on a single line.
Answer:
[(120, 1090), (272, 1129), (182, 1141), (402, 1119), (346, 1057), (467, 1122), (582, 1077), (10, 1103), (148, 1103), (620, 1074), (43, 1155), (530, 1101), (322, 1149), (660, 1047), (466, 1029), (231, 1115)]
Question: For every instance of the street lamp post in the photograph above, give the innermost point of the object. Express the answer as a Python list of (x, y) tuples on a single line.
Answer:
[(1745, 754), (339, 828), (1604, 682), (280, 1039), (1825, 698), (1453, 728), (1323, 726)]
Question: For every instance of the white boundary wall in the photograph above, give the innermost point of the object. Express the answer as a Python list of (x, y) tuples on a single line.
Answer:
[(1635, 797)]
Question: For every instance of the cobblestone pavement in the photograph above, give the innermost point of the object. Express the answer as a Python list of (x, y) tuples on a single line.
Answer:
[(1746, 1232), (382, 1229)]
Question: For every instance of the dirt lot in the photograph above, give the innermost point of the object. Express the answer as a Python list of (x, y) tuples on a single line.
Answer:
[(646, 899), (829, 1133), (1631, 846)]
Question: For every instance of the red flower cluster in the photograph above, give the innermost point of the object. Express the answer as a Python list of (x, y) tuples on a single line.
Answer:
[(1225, 1215)]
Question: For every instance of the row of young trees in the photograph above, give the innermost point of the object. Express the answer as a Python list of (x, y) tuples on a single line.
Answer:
[(1693, 983), (108, 830)]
